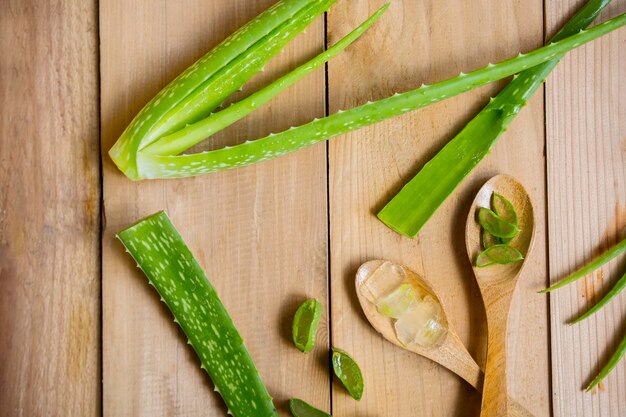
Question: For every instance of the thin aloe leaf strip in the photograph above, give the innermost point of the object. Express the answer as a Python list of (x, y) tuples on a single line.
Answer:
[(173, 166), (193, 134), (171, 268), (590, 267), (268, 33), (617, 288), (418, 200), (299, 408), (610, 365)]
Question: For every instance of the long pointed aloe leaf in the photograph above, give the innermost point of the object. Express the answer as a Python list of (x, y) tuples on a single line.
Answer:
[(617, 288), (214, 77), (172, 166), (171, 268), (195, 133), (610, 365), (590, 267), (418, 200)]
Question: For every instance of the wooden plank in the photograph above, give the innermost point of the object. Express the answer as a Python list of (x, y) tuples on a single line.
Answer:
[(260, 232), (415, 42), (49, 209), (586, 148)]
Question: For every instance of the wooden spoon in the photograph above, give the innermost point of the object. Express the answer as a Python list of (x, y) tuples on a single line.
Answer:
[(496, 283), (449, 352)]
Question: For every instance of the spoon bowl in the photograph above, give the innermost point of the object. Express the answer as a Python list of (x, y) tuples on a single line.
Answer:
[(449, 351), (497, 283)]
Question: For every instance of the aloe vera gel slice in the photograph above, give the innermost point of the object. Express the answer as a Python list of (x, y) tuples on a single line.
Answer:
[(173, 271), (418, 316), (299, 408), (305, 323), (495, 224), (348, 372), (498, 254)]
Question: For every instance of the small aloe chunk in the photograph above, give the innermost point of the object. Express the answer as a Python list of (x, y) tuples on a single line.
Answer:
[(173, 271), (299, 408), (489, 240), (495, 224), (348, 373), (305, 323), (498, 254)]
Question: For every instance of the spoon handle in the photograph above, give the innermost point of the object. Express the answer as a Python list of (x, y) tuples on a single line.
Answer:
[(495, 398)]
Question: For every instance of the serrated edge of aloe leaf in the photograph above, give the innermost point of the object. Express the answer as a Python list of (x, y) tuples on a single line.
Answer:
[(250, 152), (586, 269), (313, 325), (411, 208), (163, 256), (123, 153), (195, 133)]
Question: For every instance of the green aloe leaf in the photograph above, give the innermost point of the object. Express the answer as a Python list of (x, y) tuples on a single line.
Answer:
[(305, 323), (173, 271), (610, 365), (299, 408), (160, 161), (495, 224), (417, 201)]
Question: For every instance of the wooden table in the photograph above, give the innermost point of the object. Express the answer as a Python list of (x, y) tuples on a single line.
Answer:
[(82, 334)]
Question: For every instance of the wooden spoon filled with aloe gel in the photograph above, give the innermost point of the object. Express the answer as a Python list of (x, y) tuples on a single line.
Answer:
[(498, 269), (404, 308)]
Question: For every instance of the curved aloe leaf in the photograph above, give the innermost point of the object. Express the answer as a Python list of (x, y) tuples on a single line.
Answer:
[(418, 200), (171, 268), (164, 163), (213, 78), (610, 365)]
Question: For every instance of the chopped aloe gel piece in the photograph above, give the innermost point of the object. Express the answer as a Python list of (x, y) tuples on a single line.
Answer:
[(348, 373), (495, 224), (421, 324), (398, 301), (299, 408), (503, 208), (305, 322), (498, 255), (489, 240), (386, 278)]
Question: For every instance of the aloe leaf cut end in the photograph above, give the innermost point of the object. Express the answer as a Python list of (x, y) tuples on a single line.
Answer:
[(172, 270)]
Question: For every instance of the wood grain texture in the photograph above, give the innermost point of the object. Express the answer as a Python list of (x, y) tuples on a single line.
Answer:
[(260, 232), (49, 209), (586, 150), (415, 42)]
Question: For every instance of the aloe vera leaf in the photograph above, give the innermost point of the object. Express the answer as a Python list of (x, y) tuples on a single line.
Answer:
[(299, 408), (495, 224), (275, 145), (193, 134), (489, 240), (418, 200), (617, 288), (610, 365), (590, 267), (198, 89), (498, 254), (171, 268), (348, 373), (305, 323)]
